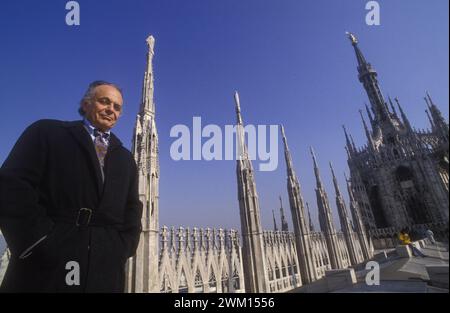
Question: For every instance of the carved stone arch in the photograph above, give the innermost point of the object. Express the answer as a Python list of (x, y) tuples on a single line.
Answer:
[(284, 266), (183, 282), (277, 268), (225, 279), (212, 278), (184, 278), (199, 281), (270, 268), (236, 275), (166, 277)]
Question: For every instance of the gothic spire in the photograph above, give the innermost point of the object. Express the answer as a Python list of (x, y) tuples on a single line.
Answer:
[(346, 226), (439, 122), (430, 119), (147, 103), (369, 114), (326, 219), (366, 129), (275, 228), (311, 225), (287, 154), (368, 77), (316, 169), (335, 182), (284, 224), (240, 135), (301, 229), (238, 108), (357, 221), (392, 107), (404, 117), (348, 142), (253, 254)]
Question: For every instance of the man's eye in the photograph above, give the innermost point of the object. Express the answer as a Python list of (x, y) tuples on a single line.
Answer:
[(104, 101)]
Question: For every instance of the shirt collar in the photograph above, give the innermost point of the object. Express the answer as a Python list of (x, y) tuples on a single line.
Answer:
[(91, 128)]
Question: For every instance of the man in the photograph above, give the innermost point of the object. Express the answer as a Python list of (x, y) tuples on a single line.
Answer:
[(406, 240), (69, 206)]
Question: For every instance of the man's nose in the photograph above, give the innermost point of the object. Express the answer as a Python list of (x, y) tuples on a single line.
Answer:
[(109, 110)]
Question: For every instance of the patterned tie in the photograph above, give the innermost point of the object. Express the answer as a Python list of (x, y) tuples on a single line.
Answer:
[(101, 145)]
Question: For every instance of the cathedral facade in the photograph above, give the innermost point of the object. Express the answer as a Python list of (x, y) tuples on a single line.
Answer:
[(401, 176)]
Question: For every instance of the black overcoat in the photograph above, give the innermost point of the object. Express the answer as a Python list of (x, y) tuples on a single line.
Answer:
[(51, 173)]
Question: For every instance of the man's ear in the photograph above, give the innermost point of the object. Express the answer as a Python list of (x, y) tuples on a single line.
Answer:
[(85, 105)]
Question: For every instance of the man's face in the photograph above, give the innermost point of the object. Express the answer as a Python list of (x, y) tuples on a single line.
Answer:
[(105, 107)]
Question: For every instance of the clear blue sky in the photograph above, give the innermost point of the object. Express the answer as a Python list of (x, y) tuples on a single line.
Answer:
[(290, 61)]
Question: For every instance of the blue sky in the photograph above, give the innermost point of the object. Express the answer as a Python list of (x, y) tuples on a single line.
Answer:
[(290, 60)]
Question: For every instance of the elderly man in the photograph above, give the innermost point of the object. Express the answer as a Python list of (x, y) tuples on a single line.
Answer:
[(69, 206)]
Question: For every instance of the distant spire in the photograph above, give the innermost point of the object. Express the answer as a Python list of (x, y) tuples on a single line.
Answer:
[(349, 156), (316, 169), (350, 193), (366, 129), (387, 108), (369, 114), (404, 117), (359, 56), (348, 142), (287, 154), (326, 219), (441, 126), (367, 75), (311, 225), (353, 143), (335, 182), (392, 106), (284, 223), (275, 228), (429, 119)]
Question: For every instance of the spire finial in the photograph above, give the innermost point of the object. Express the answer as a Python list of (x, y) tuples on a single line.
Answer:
[(283, 134), (151, 43), (238, 108), (352, 38)]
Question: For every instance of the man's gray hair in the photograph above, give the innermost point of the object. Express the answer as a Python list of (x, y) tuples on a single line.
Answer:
[(90, 92)]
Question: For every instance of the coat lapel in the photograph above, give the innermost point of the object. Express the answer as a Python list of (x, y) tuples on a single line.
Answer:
[(83, 138)]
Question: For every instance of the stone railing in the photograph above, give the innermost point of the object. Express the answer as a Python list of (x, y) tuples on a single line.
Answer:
[(388, 237), (281, 261), (201, 260), (320, 253)]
